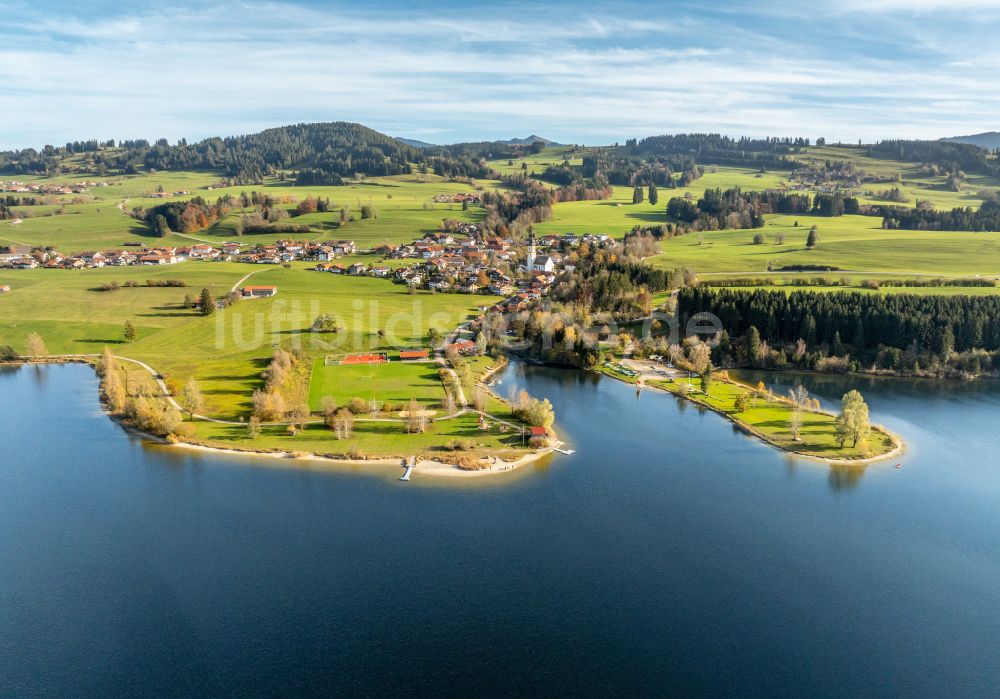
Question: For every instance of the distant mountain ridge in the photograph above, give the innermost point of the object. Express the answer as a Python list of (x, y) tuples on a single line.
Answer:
[(415, 143), (988, 139), (529, 140), (533, 138)]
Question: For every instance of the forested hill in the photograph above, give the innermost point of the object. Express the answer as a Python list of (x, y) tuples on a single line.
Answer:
[(337, 149), (950, 155), (989, 139), (324, 151)]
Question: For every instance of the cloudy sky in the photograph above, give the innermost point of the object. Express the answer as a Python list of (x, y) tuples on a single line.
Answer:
[(448, 71)]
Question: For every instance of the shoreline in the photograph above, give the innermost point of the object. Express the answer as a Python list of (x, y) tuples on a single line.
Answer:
[(428, 467)]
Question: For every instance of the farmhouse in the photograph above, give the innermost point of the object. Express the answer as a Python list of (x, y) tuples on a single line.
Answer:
[(93, 259), (463, 347), (257, 292)]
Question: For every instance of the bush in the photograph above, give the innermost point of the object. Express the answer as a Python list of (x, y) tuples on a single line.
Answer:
[(358, 406), (161, 282), (833, 365), (7, 353), (460, 444), (325, 323), (469, 462)]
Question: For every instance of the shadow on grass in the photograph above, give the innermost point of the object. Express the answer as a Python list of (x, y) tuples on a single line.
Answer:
[(94, 341)]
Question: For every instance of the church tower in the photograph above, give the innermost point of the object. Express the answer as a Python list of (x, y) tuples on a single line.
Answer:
[(530, 263)]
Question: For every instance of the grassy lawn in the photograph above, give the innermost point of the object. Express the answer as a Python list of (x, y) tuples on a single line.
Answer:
[(857, 287), (770, 419), (226, 351), (382, 438), (850, 243), (537, 162), (913, 184), (618, 215), (395, 382), (404, 205)]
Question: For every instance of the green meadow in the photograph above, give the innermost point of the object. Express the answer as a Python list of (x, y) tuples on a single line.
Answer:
[(227, 351), (404, 208), (537, 162), (850, 243), (618, 215), (382, 438), (393, 384), (855, 285)]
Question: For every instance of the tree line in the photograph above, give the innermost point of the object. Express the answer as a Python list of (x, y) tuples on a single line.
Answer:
[(316, 154), (888, 329), (985, 218), (950, 155), (716, 149)]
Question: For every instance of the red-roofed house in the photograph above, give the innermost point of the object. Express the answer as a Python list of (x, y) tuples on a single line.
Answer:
[(258, 292)]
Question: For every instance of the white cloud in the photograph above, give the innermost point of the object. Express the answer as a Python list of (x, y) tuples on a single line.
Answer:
[(173, 72)]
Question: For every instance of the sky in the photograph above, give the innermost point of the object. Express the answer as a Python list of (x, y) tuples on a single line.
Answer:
[(443, 72)]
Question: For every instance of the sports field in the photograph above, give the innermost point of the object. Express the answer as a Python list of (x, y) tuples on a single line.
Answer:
[(393, 383)]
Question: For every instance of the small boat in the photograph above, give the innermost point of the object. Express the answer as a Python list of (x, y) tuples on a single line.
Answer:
[(899, 465)]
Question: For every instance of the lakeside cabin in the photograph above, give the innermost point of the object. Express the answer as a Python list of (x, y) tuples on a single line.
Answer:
[(258, 292)]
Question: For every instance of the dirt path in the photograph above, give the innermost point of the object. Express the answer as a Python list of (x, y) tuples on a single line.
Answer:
[(240, 282)]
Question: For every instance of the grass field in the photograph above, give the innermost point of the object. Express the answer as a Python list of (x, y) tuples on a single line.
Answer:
[(913, 184), (618, 215), (393, 383), (851, 243), (381, 438), (537, 162), (857, 287), (226, 351), (404, 206)]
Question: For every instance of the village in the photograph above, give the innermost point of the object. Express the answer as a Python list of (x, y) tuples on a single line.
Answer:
[(47, 188), (458, 259)]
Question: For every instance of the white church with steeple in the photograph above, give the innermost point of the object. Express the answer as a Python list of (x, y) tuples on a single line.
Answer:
[(535, 262)]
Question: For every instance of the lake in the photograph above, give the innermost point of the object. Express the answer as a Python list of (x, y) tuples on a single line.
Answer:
[(670, 554)]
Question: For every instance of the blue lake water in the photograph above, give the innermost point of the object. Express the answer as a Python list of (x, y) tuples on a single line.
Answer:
[(669, 554)]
